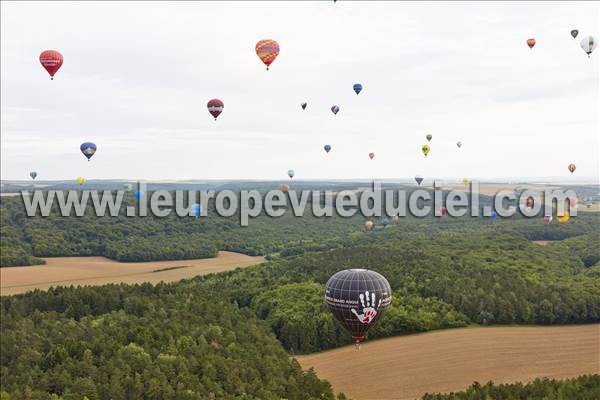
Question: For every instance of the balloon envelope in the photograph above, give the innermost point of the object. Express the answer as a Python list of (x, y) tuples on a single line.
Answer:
[(574, 33), (429, 137), (80, 180), (139, 194), (303, 105), (51, 60), (267, 50), (291, 173), (418, 179), (215, 107), (572, 168), (284, 188), (548, 219), (563, 219), (33, 174), (493, 214), (196, 209), (327, 148), (88, 149), (459, 144), (369, 225), (357, 88), (358, 298), (425, 149), (371, 155), (531, 43), (335, 109), (588, 44)]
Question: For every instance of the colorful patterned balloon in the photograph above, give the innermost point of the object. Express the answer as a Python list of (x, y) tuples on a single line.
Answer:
[(267, 50)]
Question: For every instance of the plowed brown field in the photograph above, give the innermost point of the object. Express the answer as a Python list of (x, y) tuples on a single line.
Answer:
[(407, 367)]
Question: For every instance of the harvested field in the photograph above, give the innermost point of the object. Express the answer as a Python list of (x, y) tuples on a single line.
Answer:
[(66, 271), (407, 367)]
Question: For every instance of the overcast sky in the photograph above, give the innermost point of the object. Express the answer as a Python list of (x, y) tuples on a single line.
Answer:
[(137, 77)]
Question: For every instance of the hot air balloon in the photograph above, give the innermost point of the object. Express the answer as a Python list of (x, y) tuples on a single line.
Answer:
[(572, 168), (371, 155), (127, 186), (429, 137), (425, 149), (51, 60), (466, 181), (442, 211), (459, 144), (357, 88), (529, 202), (327, 148), (335, 109), (291, 173), (303, 105), (88, 149), (395, 218), (548, 219), (493, 214), (419, 179), (531, 43), (196, 209), (215, 107), (385, 222), (574, 33), (80, 180), (369, 225), (138, 194), (358, 298), (267, 50), (284, 188), (563, 219), (33, 174), (588, 45)]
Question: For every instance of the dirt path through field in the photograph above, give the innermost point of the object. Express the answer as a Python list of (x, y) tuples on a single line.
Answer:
[(66, 271), (450, 360)]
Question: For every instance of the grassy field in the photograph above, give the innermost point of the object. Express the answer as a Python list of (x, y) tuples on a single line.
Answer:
[(66, 271), (450, 360)]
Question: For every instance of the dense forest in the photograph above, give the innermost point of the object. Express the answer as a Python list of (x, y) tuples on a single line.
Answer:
[(26, 239), (586, 387), (229, 335)]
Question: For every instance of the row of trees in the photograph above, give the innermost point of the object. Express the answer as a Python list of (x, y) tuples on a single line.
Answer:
[(585, 387)]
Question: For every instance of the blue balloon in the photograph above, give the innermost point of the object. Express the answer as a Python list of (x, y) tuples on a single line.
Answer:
[(139, 194), (357, 88), (88, 149), (385, 222), (327, 148), (493, 215), (196, 209)]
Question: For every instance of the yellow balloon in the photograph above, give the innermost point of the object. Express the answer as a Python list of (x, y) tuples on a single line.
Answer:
[(80, 180), (563, 219), (466, 181), (425, 149)]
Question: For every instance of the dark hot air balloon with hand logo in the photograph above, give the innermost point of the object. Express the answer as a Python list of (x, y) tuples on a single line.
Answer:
[(358, 298)]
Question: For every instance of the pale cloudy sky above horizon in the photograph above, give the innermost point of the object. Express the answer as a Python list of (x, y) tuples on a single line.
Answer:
[(137, 76)]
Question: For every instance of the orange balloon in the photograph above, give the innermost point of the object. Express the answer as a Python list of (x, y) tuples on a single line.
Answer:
[(531, 43), (563, 219), (369, 225), (267, 50), (572, 168), (284, 188)]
